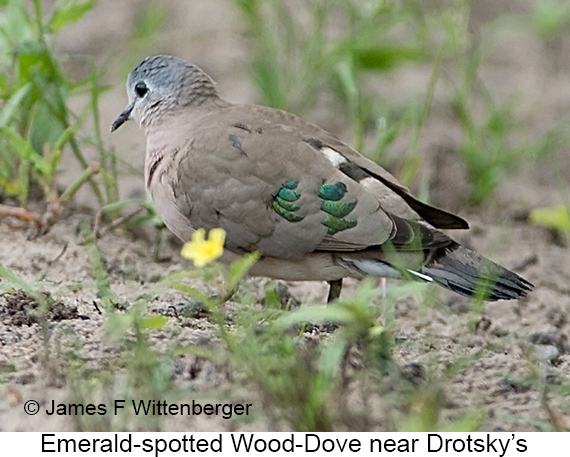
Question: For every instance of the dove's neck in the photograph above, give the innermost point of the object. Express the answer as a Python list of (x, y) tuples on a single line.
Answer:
[(196, 90), (169, 130), (172, 112)]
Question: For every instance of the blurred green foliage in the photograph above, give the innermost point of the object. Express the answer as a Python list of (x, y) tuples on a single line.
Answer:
[(36, 123), (555, 217)]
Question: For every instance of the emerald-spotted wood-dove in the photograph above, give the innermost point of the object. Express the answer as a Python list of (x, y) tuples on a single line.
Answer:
[(314, 207)]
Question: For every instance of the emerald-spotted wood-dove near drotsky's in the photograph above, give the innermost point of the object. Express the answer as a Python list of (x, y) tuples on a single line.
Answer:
[(314, 207)]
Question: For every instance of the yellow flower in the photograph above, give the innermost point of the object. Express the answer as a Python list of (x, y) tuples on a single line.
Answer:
[(203, 251)]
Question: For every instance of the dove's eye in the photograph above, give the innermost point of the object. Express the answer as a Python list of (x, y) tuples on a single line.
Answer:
[(141, 89)]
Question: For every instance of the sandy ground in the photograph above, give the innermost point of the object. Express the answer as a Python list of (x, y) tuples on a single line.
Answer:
[(509, 336)]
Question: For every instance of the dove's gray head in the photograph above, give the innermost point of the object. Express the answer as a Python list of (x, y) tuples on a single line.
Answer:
[(158, 85)]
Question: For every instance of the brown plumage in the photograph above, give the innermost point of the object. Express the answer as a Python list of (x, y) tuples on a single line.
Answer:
[(314, 207)]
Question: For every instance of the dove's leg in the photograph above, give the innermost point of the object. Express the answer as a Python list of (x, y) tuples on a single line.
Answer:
[(334, 289), (383, 287)]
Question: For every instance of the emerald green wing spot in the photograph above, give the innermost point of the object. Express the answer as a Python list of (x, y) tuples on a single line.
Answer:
[(337, 209), (333, 192), (288, 194), (283, 202), (289, 215), (334, 224), (291, 184), (286, 205)]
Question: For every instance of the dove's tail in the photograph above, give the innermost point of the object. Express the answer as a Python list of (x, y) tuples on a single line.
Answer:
[(467, 273)]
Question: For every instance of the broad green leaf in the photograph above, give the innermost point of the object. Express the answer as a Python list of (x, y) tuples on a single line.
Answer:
[(15, 24), (69, 11), (386, 57), (25, 151), (10, 108), (556, 217), (32, 58), (551, 17), (315, 314), (153, 322), (44, 128), (20, 145)]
